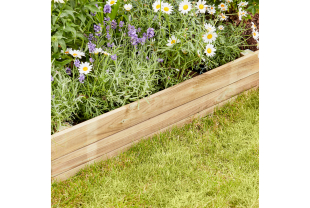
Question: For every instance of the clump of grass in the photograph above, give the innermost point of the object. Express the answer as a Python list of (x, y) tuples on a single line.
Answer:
[(211, 162)]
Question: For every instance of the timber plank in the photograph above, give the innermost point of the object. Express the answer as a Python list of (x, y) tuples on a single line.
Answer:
[(72, 172), (115, 121), (147, 127)]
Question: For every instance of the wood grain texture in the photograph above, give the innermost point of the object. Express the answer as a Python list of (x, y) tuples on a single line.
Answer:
[(72, 172), (115, 121), (115, 141)]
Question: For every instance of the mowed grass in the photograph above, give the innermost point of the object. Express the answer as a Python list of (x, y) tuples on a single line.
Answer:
[(212, 162)]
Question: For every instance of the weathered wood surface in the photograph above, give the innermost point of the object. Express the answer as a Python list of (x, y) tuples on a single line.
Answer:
[(115, 121), (115, 141), (72, 172)]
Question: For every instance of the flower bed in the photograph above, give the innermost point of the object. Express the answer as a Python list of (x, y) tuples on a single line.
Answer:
[(113, 132), (109, 54), (122, 71)]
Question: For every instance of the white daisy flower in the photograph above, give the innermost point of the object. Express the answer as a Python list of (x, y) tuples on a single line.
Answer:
[(255, 34), (209, 27), (243, 4), (111, 2), (253, 26), (257, 44), (97, 51), (223, 17), (172, 41), (77, 53), (156, 5), (128, 7), (210, 50), (223, 6), (85, 68), (201, 6), (184, 51), (229, 1), (166, 8), (67, 51), (105, 53), (211, 11), (212, 7), (221, 27), (209, 37), (185, 7), (241, 13)]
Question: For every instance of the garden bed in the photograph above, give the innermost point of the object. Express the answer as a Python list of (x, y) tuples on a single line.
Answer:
[(113, 132)]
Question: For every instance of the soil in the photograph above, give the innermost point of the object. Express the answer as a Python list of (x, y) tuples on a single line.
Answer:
[(251, 41)]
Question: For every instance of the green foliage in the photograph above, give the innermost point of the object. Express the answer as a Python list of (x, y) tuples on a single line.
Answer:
[(253, 6), (136, 73)]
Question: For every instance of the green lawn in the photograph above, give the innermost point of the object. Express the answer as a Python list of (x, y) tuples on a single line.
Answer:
[(212, 162)]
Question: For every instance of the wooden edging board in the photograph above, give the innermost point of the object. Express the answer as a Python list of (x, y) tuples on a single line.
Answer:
[(104, 135)]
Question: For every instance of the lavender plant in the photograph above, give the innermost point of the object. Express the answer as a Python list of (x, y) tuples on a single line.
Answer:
[(129, 50)]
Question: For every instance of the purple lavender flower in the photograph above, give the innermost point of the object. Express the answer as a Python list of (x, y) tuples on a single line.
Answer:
[(82, 78), (97, 5), (91, 60), (97, 28), (108, 27), (107, 8), (119, 29), (155, 17), (91, 47), (131, 27), (113, 24), (77, 63), (93, 14), (150, 32), (113, 57), (139, 30), (68, 71), (147, 58), (98, 34), (108, 36), (107, 19), (121, 24), (52, 79), (110, 45), (90, 37), (160, 60)]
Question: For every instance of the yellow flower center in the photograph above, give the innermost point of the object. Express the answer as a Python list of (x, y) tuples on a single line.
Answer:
[(185, 7), (209, 50), (112, 2), (201, 6), (74, 54), (223, 17), (158, 6), (222, 5), (96, 53), (242, 3), (66, 52), (85, 68), (254, 34), (209, 36), (166, 9), (173, 41)]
